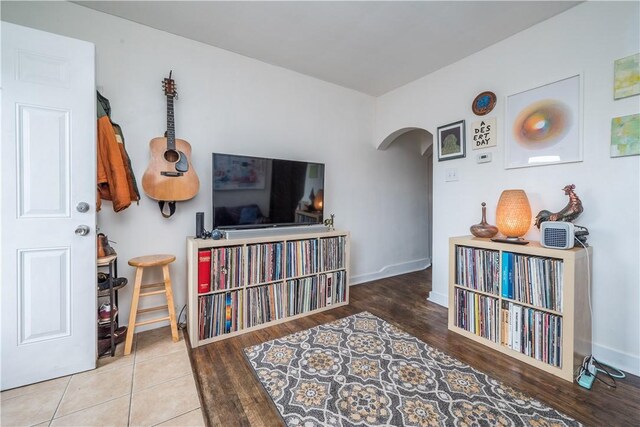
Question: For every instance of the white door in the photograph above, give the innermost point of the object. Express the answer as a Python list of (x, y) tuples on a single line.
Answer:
[(48, 167)]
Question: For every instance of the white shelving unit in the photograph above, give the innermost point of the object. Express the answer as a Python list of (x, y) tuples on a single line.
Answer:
[(573, 310), (330, 258)]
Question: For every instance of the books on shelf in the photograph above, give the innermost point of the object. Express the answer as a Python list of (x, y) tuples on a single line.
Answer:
[(204, 270)]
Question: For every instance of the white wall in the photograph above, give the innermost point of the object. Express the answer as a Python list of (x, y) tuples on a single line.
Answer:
[(585, 39), (232, 104)]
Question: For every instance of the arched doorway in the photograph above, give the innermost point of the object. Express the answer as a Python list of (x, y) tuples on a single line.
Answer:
[(422, 140)]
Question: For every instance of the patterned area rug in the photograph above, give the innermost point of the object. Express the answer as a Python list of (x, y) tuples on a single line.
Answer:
[(361, 370)]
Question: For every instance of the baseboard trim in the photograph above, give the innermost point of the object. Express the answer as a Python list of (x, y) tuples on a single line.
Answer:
[(627, 362), (438, 298), (391, 270)]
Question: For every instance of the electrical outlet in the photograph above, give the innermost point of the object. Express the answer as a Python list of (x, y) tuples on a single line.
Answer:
[(451, 175), (586, 380)]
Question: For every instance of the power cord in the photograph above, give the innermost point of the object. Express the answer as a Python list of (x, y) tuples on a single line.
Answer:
[(182, 325), (590, 366), (586, 251)]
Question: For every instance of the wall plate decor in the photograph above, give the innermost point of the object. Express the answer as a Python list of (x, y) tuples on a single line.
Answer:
[(625, 136), (483, 103), (543, 125), (451, 143), (483, 133), (626, 76)]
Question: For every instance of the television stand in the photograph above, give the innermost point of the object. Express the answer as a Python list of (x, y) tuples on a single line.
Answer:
[(273, 231), (238, 286)]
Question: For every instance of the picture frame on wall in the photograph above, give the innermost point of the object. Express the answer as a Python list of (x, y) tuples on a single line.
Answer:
[(543, 125), (451, 141), (626, 76), (625, 136)]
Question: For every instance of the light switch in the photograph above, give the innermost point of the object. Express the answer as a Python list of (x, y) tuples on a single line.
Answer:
[(451, 175)]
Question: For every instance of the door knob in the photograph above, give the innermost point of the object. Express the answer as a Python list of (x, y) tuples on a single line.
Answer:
[(82, 207), (82, 230)]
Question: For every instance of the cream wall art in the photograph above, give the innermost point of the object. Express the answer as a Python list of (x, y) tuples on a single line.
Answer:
[(543, 125)]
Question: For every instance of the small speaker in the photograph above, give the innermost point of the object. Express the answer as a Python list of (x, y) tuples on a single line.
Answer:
[(200, 225), (216, 234), (557, 235)]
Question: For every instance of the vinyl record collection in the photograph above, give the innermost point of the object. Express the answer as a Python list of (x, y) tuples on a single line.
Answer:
[(333, 286), (302, 295), (269, 282), (533, 280), (478, 269), (332, 250), (477, 313), (265, 262), (226, 268), (219, 314), (302, 257), (532, 332), (265, 303)]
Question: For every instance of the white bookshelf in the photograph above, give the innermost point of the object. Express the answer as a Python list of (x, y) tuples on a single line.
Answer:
[(330, 259), (573, 311)]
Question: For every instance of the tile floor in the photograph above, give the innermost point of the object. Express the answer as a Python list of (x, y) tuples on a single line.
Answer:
[(152, 386)]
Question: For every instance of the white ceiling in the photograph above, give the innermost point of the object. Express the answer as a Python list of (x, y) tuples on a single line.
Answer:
[(372, 47)]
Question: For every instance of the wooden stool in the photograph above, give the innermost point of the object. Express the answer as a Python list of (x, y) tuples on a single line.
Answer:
[(141, 263)]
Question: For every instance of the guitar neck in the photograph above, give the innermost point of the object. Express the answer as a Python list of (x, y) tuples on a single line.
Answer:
[(171, 127)]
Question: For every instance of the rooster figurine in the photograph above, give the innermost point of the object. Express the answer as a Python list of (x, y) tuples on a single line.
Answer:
[(567, 214)]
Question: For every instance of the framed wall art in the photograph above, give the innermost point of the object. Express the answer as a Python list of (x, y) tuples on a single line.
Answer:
[(625, 136), (451, 144), (483, 133), (543, 125), (483, 103), (626, 76)]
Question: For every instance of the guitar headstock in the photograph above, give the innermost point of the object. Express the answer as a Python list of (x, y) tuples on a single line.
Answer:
[(169, 86)]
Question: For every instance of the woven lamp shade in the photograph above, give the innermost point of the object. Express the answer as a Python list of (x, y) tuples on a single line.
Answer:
[(513, 215)]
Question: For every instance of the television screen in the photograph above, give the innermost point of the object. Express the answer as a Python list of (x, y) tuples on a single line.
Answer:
[(253, 192)]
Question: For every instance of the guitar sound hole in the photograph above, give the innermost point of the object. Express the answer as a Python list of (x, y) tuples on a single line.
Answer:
[(171, 156)]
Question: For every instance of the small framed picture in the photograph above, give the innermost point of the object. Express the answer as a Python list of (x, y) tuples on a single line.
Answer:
[(451, 144)]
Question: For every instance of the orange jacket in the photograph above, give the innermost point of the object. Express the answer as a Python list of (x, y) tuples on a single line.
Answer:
[(116, 181)]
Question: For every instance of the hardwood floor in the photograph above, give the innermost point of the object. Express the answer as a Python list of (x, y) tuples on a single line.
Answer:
[(231, 395)]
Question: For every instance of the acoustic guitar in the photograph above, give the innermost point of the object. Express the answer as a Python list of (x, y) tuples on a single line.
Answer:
[(170, 175)]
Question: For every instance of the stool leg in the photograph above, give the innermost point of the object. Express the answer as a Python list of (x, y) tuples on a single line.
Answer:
[(171, 308), (134, 311)]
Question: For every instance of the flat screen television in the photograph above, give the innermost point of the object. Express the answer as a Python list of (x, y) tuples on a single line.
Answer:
[(258, 192)]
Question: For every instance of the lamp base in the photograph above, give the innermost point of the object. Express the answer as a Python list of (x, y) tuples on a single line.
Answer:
[(512, 240)]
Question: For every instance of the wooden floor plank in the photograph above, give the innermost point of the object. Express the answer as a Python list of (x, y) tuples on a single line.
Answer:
[(232, 395)]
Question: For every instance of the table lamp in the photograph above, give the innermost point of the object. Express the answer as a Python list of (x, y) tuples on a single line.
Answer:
[(513, 216)]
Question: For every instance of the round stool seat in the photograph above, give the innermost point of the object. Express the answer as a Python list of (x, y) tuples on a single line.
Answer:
[(151, 260)]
